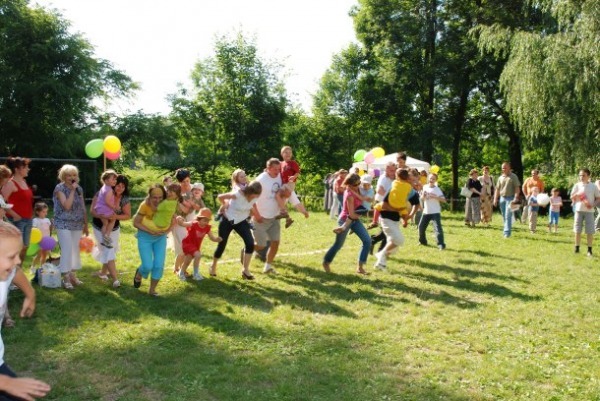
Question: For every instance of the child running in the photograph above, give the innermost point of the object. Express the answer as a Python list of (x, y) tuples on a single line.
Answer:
[(191, 244), (290, 170), (105, 206), (165, 211), (555, 205), (43, 223), (534, 208)]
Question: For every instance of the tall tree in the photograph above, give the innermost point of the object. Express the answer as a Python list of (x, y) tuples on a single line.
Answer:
[(48, 81)]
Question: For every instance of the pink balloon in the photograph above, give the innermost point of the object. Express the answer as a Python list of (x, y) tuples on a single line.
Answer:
[(369, 158), (112, 156)]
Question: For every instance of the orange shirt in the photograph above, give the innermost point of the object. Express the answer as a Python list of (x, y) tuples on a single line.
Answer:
[(532, 182)]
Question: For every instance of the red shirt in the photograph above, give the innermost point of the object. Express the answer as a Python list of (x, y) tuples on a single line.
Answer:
[(195, 234), (288, 169), (22, 200)]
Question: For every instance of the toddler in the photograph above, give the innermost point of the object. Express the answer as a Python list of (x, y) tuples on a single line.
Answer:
[(44, 224), (555, 205), (290, 170), (534, 208), (366, 194), (196, 230), (197, 192), (165, 211), (105, 205)]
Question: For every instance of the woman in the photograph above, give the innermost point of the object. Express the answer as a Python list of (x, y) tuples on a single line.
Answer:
[(102, 254), (349, 204), (5, 175), (473, 216), (236, 207), (70, 222), (17, 192), (487, 195), (186, 209), (152, 244)]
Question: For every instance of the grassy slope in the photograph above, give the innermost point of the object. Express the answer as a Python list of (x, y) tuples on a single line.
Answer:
[(486, 319)]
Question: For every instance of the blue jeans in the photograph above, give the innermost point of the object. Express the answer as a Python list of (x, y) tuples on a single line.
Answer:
[(25, 226), (152, 249), (507, 214), (436, 219), (361, 232)]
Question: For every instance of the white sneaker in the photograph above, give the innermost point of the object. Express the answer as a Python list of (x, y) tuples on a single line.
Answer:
[(268, 269), (198, 276), (181, 275), (116, 284), (380, 263), (103, 277)]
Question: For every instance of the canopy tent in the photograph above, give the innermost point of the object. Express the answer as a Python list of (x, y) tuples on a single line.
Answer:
[(382, 161)]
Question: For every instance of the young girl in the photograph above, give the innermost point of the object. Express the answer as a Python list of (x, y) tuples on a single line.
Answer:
[(237, 206), (197, 192), (44, 224), (555, 205), (239, 181), (165, 211), (14, 388), (191, 244), (105, 205)]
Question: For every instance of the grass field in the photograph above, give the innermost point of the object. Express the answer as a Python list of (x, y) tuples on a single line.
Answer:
[(486, 319)]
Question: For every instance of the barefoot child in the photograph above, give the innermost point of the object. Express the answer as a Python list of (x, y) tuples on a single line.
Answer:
[(44, 224), (12, 387), (191, 244), (165, 211), (105, 205)]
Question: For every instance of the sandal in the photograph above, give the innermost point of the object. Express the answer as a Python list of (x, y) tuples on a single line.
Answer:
[(8, 322), (67, 285), (247, 276), (137, 283)]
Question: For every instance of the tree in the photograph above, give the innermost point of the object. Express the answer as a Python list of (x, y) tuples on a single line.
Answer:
[(48, 81)]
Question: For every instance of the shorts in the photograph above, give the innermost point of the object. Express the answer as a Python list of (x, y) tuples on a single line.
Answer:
[(582, 218), (24, 225), (554, 217), (268, 230)]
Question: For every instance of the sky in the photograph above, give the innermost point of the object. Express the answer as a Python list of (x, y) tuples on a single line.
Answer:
[(157, 42)]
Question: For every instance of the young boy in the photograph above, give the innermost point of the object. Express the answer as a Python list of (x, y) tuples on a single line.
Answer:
[(290, 170), (555, 205), (534, 208), (11, 387), (432, 197), (584, 195)]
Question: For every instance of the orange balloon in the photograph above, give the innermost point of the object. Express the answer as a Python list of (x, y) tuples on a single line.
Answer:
[(86, 244)]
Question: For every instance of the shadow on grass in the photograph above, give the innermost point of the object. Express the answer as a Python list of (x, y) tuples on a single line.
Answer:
[(458, 271)]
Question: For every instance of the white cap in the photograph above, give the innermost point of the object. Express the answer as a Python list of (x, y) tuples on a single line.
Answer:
[(198, 185), (366, 179)]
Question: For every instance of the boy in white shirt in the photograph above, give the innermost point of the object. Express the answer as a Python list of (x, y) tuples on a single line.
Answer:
[(432, 197)]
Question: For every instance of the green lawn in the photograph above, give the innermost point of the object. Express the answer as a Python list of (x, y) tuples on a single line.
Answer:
[(486, 319)]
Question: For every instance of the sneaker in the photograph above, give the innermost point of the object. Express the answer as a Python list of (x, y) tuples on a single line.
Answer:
[(181, 276), (198, 277), (269, 269), (282, 215), (380, 263), (441, 247), (589, 253), (288, 222), (116, 284)]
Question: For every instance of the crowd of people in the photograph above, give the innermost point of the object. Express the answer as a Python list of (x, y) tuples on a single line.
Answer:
[(254, 210)]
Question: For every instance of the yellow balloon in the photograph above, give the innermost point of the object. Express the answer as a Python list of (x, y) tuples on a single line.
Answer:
[(434, 169), (378, 152), (112, 144), (361, 172), (36, 236)]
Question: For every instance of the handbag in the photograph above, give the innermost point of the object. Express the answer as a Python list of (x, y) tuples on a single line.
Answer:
[(464, 191)]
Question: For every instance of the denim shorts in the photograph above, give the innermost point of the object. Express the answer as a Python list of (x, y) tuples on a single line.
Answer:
[(24, 225)]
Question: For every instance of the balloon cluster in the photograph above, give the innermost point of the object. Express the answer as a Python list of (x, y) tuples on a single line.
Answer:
[(370, 156), (37, 241), (110, 146), (86, 244)]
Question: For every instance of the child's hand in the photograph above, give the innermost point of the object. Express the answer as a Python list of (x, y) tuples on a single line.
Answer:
[(218, 239), (28, 307)]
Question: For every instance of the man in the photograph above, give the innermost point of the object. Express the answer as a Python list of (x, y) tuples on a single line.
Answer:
[(528, 185), (507, 190), (266, 227)]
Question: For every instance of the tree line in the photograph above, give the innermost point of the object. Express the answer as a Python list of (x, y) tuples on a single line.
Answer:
[(454, 82)]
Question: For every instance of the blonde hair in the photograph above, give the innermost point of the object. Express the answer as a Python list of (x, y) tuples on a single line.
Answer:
[(235, 177), (66, 170), (107, 174), (5, 172), (8, 230), (286, 148)]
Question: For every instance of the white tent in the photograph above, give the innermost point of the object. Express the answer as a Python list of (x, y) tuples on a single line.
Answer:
[(382, 161)]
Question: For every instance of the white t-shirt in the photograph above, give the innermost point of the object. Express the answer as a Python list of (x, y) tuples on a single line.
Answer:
[(591, 192), (3, 302), (267, 203), (239, 208), (432, 206), (43, 224), (386, 183)]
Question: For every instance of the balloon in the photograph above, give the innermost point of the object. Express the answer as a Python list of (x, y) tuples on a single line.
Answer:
[(94, 148), (376, 173), (359, 155), (33, 249), (47, 243), (112, 144), (369, 158), (112, 156), (378, 152), (543, 199), (86, 244), (434, 169), (36, 236), (361, 172)]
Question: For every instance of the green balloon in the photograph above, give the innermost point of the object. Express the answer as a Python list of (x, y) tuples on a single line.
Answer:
[(33, 249), (94, 148), (359, 155)]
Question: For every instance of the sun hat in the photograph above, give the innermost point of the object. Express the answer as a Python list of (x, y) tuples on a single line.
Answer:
[(204, 213), (366, 179), (198, 185)]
